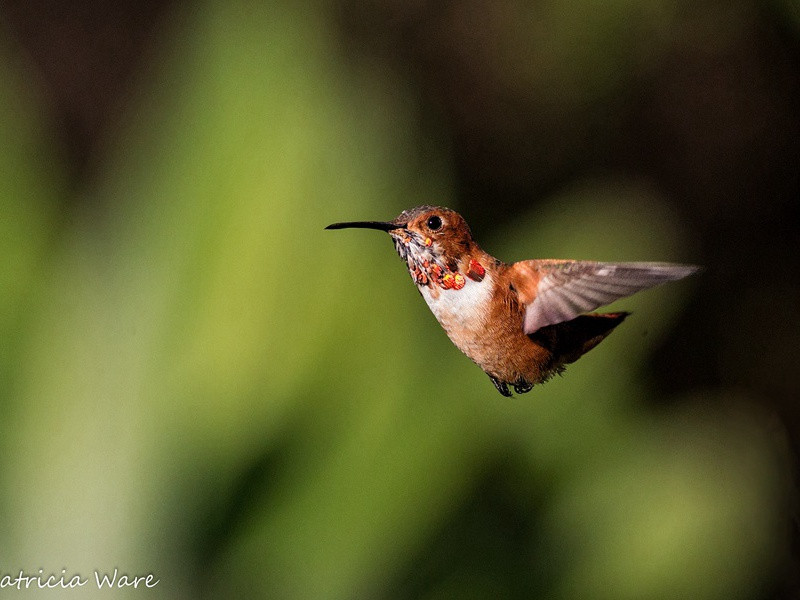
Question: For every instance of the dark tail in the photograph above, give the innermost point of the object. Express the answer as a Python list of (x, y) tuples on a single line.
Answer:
[(570, 340)]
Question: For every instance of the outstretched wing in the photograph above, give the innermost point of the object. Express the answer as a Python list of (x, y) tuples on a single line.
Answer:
[(554, 291)]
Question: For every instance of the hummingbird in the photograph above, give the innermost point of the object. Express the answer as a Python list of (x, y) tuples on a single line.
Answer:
[(521, 322)]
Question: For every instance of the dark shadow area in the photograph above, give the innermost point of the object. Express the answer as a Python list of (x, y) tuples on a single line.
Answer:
[(485, 547)]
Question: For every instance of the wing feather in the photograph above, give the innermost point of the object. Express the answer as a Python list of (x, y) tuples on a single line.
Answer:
[(557, 291)]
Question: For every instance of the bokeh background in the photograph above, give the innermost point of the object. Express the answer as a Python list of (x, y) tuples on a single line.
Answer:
[(197, 381)]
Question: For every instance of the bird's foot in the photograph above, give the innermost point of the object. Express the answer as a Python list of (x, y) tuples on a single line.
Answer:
[(501, 386), (522, 386)]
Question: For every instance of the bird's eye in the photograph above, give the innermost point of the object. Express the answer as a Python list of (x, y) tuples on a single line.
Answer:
[(434, 223)]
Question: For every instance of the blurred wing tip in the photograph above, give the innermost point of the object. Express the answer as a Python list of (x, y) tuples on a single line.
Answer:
[(679, 271), (664, 270)]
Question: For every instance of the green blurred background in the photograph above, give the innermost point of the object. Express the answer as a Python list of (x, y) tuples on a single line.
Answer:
[(197, 381)]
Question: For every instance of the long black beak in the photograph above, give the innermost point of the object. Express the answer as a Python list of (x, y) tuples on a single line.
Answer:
[(380, 225)]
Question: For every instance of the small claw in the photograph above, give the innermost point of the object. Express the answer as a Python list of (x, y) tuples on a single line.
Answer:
[(523, 387), (501, 386)]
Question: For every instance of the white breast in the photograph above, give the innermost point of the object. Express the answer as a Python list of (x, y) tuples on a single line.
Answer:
[(464, 309)]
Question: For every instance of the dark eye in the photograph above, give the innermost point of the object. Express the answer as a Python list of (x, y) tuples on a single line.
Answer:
[(434, 223)]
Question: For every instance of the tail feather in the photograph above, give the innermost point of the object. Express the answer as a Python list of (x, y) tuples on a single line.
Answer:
[(570, 340)]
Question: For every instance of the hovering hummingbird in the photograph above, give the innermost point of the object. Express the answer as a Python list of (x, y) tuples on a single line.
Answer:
[(521, 322)]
